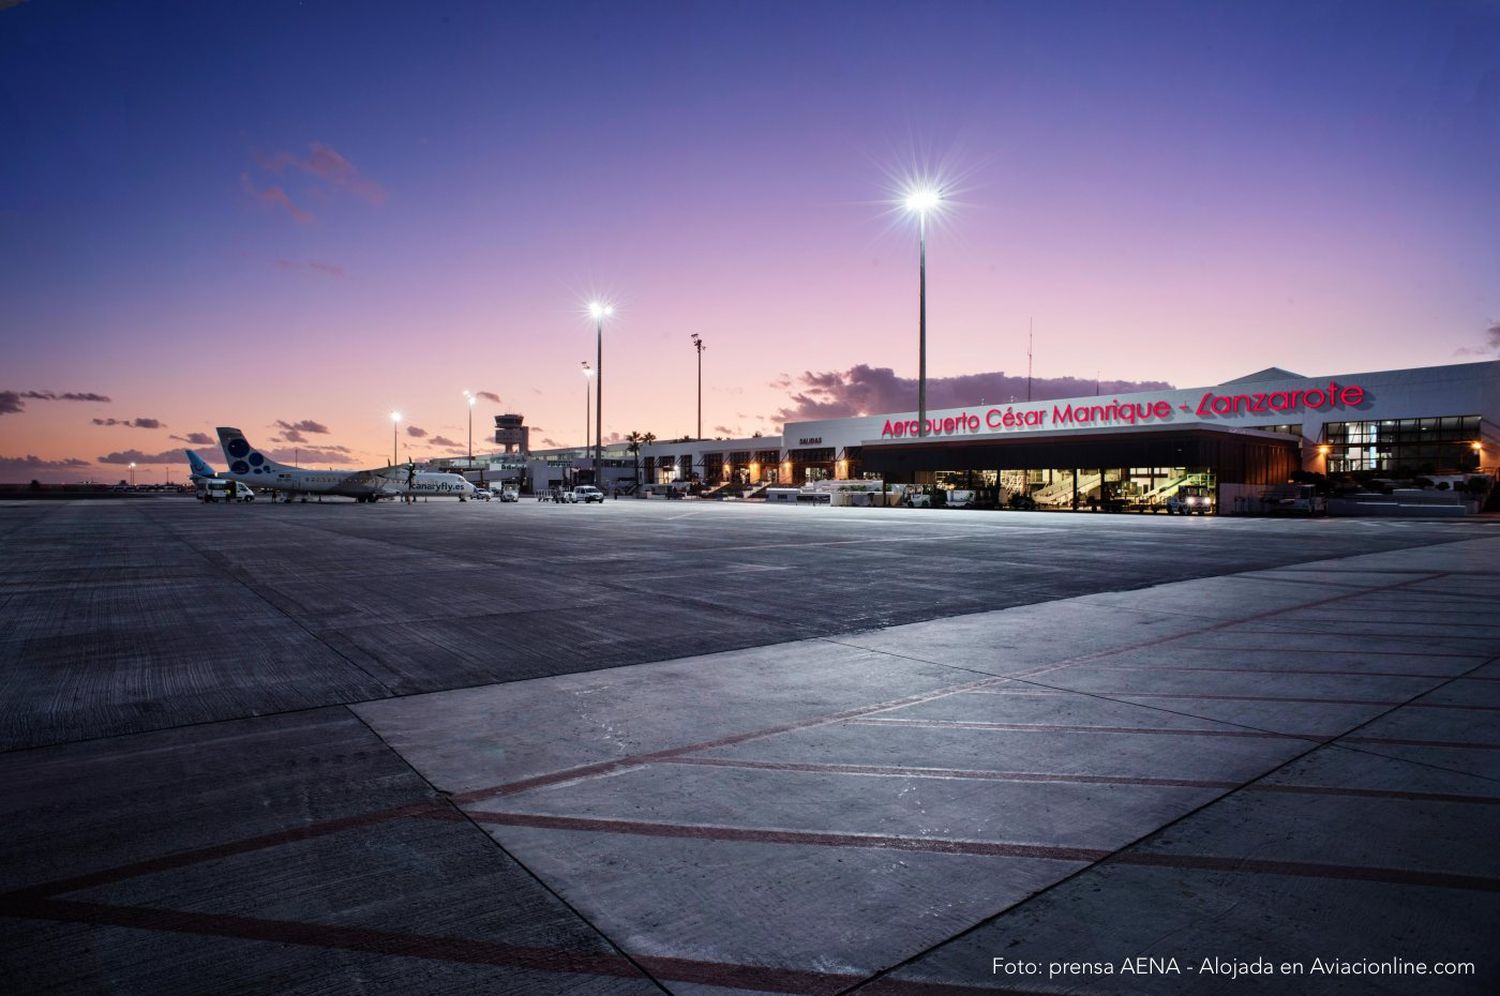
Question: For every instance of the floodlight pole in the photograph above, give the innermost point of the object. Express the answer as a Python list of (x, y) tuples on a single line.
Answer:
[(698, 345), (598, 398), (588, 372), (922, 324)]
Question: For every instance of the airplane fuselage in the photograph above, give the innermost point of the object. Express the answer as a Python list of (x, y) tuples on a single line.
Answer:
[(253, 468), (361, 484)]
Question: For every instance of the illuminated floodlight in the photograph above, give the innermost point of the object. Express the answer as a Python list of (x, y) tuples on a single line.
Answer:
[(920, 200), (395, 416), (472, 399), (600, 310)]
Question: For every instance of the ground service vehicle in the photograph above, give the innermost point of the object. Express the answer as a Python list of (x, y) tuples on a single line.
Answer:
[(217, 490), (1197, 498), (1294, 499), (586, 493)]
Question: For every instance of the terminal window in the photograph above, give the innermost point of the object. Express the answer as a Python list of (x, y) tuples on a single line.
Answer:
[(1409, 445)]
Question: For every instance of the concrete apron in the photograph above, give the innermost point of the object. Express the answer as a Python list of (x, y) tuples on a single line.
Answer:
[(1278, 763)]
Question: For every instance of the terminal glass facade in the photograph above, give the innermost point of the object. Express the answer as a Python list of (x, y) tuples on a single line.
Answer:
[(1407, 445)]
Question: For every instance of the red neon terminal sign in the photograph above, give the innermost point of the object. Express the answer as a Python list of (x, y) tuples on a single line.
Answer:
[(1067, 414)]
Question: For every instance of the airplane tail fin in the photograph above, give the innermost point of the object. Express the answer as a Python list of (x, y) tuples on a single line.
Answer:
[(199, 466), (244, 459)]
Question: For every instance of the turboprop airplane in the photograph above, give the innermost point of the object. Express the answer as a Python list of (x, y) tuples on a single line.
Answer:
[(249, 465)]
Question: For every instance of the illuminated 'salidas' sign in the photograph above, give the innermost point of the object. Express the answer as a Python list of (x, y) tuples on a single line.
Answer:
[(1069, 415)]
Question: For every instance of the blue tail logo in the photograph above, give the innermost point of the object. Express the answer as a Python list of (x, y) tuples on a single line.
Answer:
[(244, 459), (200, 468)]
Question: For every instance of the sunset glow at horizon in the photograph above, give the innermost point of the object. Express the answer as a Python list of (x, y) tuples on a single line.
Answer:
[(207, 219)]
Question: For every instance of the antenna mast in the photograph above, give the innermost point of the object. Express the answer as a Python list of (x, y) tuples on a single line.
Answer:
[(1029, 334)]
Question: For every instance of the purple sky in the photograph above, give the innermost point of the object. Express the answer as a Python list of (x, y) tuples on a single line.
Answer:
[(279, 214)]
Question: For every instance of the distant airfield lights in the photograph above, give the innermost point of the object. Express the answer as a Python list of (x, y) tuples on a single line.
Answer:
[(395, 426), (922, 198), (599, 311), (132, 473)]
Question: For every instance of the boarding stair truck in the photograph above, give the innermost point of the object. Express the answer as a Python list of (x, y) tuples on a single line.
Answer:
[(1160, 497), (1059, 494)]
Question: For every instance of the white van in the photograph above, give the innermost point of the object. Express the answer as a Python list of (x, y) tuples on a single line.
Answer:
[(586, 493), (216, 490)]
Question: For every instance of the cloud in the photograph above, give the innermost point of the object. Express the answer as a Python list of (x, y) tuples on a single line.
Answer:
[(415, 432), (864, 389), (29, 464), (552, 443), (304, 455), (275, 196), (1492, 345), (64, 396), (328, 164), (136, 456), (134, 423), (487, 396), (195, 439), (13, 402), (444, 441), (725, 430), (305, 425), (292, 432), (313, 266)]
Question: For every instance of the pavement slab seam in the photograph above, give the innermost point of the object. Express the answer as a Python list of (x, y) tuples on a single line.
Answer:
[(619, 764), (585, 771), (1413, 761), (898, 771), (988, 848), (756, 978), (219, 562), (453, 811), (1219, 862), (1029, 677)]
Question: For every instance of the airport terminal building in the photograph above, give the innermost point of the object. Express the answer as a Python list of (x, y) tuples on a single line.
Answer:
[(1233, 439)]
